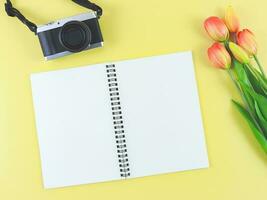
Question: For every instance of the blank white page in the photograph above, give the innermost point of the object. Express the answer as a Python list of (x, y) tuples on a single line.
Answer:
[(74, 126), (161, 113)]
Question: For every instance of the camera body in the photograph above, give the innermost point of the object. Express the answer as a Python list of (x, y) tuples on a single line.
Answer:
[(70, 35)]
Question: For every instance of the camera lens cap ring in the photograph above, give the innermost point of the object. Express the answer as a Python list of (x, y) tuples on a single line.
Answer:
[(75, 36)]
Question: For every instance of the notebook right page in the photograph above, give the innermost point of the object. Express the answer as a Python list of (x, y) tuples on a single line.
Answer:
[(161, 112)]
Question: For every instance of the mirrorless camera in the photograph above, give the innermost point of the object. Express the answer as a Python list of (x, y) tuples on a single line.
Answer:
[(65, 36), (70, 35)]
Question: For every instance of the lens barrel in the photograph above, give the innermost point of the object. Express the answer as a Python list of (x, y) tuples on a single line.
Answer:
[(75, 36)]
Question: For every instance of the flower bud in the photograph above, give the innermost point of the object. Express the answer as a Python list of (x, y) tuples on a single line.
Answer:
[(246, 40), (216, 29), (219, 56), (239, 53), (231, 20)]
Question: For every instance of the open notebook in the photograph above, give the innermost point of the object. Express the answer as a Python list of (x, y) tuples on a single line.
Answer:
[(118, 120)]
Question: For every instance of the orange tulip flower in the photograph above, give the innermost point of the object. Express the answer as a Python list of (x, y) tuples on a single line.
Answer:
[(219, 56), (246, 40), (216, 29)]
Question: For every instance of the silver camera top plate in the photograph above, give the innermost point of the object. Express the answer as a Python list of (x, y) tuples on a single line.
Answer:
[(61, 22)]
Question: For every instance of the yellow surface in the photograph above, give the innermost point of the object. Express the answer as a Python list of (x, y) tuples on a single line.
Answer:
[(132, 28)]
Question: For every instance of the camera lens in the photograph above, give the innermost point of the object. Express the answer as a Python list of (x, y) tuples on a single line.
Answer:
[(75, 36)]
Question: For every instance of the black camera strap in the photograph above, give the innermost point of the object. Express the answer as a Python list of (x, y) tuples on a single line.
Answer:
[(13, 12), (90, 5)]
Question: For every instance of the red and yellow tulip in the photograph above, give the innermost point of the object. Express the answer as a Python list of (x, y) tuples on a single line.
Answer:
[(216, 29), (219, 56), (246, 40)]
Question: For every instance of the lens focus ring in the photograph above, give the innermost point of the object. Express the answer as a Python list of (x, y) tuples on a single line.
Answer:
[(75, 36)]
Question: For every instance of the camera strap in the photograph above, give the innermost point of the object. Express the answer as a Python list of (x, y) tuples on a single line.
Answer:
[(13, 12), (90, 5)]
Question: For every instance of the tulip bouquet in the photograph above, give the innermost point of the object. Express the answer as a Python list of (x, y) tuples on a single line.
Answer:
[(235, 51)]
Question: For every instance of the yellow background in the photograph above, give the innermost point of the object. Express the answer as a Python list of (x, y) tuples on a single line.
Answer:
[(132, 28)]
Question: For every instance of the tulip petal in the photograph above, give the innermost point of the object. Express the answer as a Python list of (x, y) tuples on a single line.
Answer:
[(246, 40), (231, 20), (216, 29), (219, 56), (239, 53)]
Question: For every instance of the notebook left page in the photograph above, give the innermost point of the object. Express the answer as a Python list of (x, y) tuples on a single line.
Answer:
[(74, 125)]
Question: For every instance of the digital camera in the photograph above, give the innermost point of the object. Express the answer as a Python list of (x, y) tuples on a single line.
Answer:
[(70, 35), (65, 36)]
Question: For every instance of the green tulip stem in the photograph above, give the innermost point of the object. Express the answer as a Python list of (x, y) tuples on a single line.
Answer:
[(244, 100), (257, 74), (260, 66), (234, 81)]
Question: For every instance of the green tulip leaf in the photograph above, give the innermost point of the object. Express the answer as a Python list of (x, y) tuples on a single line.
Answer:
[(255, 83), (246, 90), (260, 77), (261, 117), (258, 135), (265, 91), (240, 72), (262, 120), (261, 102)]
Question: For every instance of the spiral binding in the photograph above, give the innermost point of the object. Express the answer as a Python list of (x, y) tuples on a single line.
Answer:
[(118, 121)]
